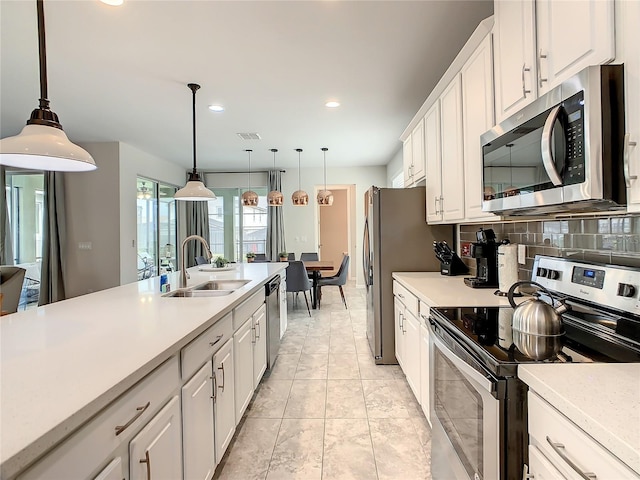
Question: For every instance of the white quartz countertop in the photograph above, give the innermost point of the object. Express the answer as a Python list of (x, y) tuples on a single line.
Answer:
[(62, 363), (444, 291), (602, 399)]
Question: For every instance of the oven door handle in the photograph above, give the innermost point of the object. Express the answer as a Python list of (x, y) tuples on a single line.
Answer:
[(485, 381), (546, 145)]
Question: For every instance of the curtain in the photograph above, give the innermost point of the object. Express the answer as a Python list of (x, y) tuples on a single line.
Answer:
[(275, 220), (197, 223), (53, 240), (6, 246)]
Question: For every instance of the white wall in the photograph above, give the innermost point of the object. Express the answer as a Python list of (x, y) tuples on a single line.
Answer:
[(302, 222), (395, 166)]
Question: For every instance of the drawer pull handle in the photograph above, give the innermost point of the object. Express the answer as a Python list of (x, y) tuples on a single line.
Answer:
[(221, 367), (424, 316), (218, 338), (401, 295), (140, 410), (147, 460), (560, 450)]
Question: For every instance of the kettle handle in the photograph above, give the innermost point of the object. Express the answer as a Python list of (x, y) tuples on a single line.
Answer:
[(524, 282)]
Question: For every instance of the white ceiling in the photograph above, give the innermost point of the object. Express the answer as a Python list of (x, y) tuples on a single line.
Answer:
[(120, 74)]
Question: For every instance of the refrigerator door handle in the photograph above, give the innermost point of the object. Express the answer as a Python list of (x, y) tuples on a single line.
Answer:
[(366, 254)]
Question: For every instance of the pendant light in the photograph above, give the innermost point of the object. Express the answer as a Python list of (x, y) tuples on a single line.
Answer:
[(250, 198), (275, 197), (42, 144), (299, 197), (325, 197), (194, 190), (144, 193)]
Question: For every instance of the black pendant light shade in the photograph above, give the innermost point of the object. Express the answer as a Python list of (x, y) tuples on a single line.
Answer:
[(42, 144), (194, 190), (275, 197), (249, 197), (299, 197)]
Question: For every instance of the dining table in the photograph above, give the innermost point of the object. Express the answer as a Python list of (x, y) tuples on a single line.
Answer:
[(315, 267)]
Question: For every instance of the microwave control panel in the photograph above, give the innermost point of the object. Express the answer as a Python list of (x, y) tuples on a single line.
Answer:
[(574, 136)]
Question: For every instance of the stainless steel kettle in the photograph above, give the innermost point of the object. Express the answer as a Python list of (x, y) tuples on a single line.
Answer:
[(537, 325)]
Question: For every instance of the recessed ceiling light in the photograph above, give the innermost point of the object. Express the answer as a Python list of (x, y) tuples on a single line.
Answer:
[(114, 3), (332, 104), (216, 108)]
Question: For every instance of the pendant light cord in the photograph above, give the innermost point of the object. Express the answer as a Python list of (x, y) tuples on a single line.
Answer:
[(249, 176), (42, 47), (194, 88)]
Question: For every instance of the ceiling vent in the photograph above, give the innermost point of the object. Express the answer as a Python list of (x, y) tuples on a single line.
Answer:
[(249, 136)]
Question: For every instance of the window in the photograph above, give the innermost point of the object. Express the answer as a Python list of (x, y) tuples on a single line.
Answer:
[(156, 228), (398, 181), (236, 230), (25, 205)]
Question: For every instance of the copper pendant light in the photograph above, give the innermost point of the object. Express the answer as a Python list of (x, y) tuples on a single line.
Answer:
[(299, 197), (275, 197), (194, 190), (325, 197), (42, 144), (249, 197)]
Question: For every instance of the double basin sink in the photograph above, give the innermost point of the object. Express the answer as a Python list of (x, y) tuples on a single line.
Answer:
[(212, 288)]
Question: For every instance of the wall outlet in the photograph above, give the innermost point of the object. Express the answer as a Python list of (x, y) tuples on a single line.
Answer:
[(465, 249), (522, 254)]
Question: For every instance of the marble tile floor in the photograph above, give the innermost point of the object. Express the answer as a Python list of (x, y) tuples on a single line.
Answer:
[(327, 411)]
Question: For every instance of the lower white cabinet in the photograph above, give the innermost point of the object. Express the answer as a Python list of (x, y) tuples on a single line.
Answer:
[(412, 352), (156, 452), (197, 425), (544, 469), (259, 345), (225, 414), (243, 344), (425, 363), (398, 314), (113, 471)]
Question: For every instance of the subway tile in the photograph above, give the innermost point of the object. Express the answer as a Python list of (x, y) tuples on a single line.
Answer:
[(520, 227), (551, 227), (584, 242), (604, 225), (575, 225), (534, 227)]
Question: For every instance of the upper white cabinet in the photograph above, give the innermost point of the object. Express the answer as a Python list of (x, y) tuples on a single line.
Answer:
[(477, 118), (570, 36), (452, 200), (515, 56), (413, 156), (434, 163), (628, 21), (540, 43)]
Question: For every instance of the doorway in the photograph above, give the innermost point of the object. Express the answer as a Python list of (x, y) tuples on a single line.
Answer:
[(335, 225)]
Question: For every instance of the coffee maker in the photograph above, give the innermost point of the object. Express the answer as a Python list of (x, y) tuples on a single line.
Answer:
[(485, 251)]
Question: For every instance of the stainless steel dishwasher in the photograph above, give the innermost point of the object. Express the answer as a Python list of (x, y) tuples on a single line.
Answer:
[(272, 293)]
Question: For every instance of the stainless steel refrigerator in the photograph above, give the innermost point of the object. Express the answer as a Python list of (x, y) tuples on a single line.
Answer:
[(396, 239)]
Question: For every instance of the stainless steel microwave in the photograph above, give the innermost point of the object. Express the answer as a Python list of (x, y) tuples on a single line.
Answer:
[(561, 153)]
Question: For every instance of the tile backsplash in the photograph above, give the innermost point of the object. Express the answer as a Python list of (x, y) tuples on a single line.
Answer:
[(614, 239)]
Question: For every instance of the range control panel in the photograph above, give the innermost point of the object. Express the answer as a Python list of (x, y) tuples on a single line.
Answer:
[(613, 286)]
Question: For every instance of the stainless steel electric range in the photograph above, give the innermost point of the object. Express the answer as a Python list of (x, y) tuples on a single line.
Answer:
[(478, 404)]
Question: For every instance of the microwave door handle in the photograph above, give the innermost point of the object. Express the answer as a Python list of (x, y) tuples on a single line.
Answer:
[(546, 144)]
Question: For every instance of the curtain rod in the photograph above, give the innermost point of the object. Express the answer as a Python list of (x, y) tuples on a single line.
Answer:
[(243, 172)]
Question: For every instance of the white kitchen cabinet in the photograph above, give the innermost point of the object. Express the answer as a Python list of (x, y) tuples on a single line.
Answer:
[(433, 159), (413, 160), (259, 365), (412, 351), (566, 447), (225, 418), (542, 467), (156, 452), (477, 118), (570, 36), (425, 362), (452, 200), (515, 56), (398, 314), (243, 345), (628, 18), (113, 471), (197, 425)]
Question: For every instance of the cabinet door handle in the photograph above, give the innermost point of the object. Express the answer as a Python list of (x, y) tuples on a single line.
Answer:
[(625, 157), (400, 318), (560, 450), (540, 79), (140, 410), (215, 387), (435, 201), (441, 204), (255, 336), (218, 338), (258, 331), (401, 295), (524, 88), (147, 460), (221, 367), (525, 473)]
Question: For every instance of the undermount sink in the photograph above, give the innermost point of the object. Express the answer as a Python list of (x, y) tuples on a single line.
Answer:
[(212, 288), (183, 293), (214, 285)]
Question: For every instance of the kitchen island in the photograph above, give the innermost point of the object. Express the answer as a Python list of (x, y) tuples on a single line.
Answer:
[(63, 363)]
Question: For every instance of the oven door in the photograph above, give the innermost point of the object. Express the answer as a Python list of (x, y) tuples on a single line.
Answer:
[(466, 413)]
